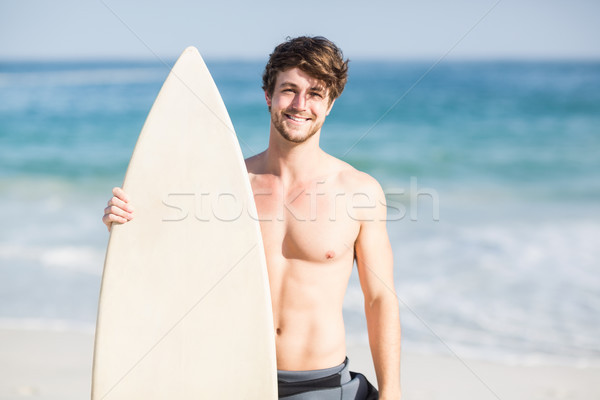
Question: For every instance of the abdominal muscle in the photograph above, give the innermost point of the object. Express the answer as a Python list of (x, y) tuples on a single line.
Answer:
[(307, 303)]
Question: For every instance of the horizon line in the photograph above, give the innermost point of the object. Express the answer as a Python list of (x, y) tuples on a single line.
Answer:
[(253, 59)]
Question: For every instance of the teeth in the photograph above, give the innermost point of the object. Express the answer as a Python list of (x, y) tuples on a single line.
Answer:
[(297, 119)]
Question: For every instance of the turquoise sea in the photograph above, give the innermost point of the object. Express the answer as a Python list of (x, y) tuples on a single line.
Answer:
[(492, 171)]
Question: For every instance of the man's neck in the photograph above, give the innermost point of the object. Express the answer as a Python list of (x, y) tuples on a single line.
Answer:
[(293, 162)]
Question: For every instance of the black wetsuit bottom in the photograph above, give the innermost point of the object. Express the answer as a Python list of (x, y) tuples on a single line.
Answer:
[(335, 383)]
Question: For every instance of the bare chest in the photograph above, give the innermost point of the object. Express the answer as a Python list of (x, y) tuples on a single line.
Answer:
[(307, 223)]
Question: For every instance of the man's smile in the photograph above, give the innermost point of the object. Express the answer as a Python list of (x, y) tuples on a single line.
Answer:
[(297, 118)]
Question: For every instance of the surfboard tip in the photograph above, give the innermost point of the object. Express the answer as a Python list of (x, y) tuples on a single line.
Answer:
[(191, 49)]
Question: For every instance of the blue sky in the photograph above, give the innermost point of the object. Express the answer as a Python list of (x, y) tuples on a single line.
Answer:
[(59, 29)]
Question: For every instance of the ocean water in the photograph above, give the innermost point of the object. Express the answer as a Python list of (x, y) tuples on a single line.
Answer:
[(491, 169)]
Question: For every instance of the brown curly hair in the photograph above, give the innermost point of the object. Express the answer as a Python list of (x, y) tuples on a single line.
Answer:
[(317, 56)]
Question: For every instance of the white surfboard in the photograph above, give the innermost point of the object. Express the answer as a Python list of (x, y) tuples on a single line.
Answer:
[(185, 310)]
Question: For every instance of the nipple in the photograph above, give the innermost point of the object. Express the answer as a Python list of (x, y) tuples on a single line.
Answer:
[(330, 254)]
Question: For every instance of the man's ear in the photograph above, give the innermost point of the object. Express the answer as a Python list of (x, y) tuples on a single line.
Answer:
[(268, 99), (330, 107)]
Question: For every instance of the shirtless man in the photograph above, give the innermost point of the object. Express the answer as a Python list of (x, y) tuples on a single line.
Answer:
[(317, 215)]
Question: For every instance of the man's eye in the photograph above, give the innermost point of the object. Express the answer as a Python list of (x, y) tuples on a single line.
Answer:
[(317, 94)]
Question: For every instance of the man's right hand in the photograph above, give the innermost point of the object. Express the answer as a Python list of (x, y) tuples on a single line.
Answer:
[(118, 209)]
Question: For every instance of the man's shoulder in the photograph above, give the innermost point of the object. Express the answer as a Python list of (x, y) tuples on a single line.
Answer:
[(355, 180), (363, 193), (253, 163)]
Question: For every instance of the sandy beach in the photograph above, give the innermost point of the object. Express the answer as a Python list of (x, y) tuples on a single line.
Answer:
[(53, 365), (440, 377), (45, 365)]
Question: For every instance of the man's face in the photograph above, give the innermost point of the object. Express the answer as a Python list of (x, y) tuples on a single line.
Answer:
[(299, 105)]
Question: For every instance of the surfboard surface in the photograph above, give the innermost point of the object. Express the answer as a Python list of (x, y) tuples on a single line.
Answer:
[(185, 310)]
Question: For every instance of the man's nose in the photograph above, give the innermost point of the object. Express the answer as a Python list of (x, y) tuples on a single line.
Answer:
[(299, 101)]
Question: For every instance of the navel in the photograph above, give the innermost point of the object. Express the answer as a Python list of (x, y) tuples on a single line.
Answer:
[(330, 254)]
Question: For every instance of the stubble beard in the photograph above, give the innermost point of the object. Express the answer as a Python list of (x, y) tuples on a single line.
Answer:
[(279, 125)]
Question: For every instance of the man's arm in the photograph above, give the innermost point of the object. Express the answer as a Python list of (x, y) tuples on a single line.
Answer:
[(375, 268)]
